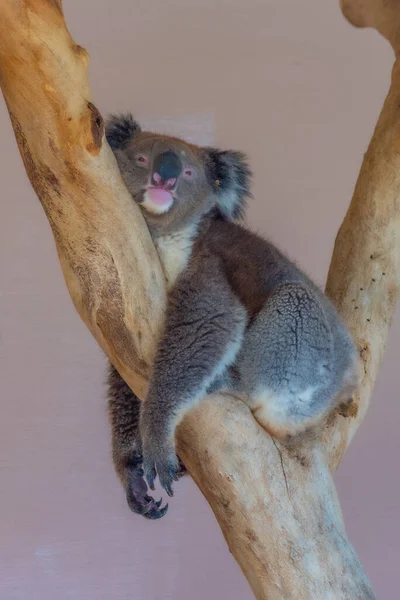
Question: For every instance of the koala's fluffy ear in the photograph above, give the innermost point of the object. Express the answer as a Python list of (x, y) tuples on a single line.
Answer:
[(120, 129), (230, 177)]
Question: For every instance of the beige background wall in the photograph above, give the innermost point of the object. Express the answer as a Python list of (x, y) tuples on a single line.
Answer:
[(298, 89)]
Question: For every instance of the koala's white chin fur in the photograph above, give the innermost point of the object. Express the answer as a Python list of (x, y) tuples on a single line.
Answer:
[(155, 208)]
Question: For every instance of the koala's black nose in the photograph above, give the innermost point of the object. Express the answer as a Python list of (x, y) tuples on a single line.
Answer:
[(167, 166)]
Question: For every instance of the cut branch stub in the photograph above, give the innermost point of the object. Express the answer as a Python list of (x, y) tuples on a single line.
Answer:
[(382, 15)]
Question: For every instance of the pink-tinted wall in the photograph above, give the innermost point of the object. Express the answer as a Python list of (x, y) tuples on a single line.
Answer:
[(298, 89)]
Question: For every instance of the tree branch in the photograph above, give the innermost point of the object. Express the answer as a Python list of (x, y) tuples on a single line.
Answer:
[(364, 276), (276, 504)]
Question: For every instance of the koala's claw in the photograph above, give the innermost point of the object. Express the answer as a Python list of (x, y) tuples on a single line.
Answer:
[(150, 475), (166, 477), (168, 489), (152, 509), (136, 493)]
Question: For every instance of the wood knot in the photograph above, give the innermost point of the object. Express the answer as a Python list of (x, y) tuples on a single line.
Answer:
[(364, 352), (97, 123), (81, 53), (349, 409)]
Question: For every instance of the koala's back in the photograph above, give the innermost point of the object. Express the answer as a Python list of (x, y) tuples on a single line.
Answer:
[(296, 357), (253, 266)]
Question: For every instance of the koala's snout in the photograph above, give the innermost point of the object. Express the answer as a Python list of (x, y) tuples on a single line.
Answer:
[(166, 169)]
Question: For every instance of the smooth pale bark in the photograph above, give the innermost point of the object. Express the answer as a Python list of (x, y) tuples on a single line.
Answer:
[(276, 504)]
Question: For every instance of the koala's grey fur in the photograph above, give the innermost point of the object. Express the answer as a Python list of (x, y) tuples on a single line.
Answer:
[(240, 316)]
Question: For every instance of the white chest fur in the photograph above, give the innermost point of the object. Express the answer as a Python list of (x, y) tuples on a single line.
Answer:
[(174, 250)]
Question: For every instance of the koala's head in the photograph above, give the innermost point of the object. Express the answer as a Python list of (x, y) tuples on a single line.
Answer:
[(175, 182)]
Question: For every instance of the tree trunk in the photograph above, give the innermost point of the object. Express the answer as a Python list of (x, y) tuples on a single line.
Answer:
[(276, 504)]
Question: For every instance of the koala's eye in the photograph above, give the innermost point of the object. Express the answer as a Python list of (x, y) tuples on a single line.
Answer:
[(142, 160), (188, 173)]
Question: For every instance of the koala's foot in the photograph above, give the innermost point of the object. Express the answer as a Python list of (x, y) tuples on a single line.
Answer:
[(136, 492)]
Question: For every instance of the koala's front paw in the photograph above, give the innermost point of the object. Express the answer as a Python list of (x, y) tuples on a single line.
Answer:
[(136, 492), (159, 458)]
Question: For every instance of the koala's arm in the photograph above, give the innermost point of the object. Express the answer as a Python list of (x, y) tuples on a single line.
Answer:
[(124, 413), (204, 329)]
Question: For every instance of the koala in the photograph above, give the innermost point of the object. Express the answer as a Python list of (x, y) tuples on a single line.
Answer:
[(240, 318)]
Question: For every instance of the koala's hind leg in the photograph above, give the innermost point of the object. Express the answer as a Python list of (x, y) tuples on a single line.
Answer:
[(124, 413), (293, 363)]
